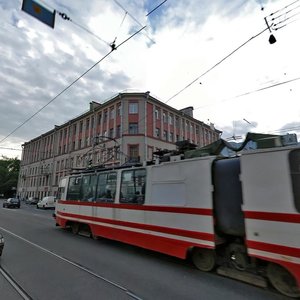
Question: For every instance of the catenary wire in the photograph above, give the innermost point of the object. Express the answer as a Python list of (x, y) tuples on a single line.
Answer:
[(120, 26), (115, 47), (285, 20), (155, 8), (71, 84), (285, 13), (293, 21), (251, 92), (215, 65), (274, 13), (132, 17), (65, 17)]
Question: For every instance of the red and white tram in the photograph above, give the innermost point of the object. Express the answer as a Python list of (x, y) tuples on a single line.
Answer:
[(240, 215)]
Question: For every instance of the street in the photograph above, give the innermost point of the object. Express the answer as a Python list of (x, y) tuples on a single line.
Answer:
[(47, 262)]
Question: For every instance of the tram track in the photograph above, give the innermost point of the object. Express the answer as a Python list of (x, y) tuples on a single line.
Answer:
[(85, 269), (15, 285)]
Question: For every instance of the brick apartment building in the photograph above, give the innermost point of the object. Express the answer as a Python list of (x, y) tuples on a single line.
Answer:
[(128, 127)]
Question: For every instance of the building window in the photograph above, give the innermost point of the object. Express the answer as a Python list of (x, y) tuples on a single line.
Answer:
[(119, 111), (133, 108), (165, 135), (110, 154), (87, 124), (74, 129), (164, 117), (150, 153), (111, 133), (133, 128), (171, 136), (112, 113), (99, 118), (157, 132), (92, 122), (171, 119), (156, 114), (80, 126), (133, 153), (105, 116), (117, 153), (118, 133)]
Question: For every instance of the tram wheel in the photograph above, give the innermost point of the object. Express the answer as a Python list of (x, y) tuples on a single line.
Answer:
[(283, 280), (75, 228), (204, 259)]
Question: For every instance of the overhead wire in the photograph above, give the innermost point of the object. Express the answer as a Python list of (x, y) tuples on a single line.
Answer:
[(219, 62), (65, 17), (71, 84), (285, 20), (82, 75), (120, 26), (274, 13), (7, 148), (251, 92), (90, 32), (155, 8), (215, 65), (135, 19), (227, 56), (286, 13)]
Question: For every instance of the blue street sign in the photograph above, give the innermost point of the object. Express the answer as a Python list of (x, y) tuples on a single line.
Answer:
[(39, 12)]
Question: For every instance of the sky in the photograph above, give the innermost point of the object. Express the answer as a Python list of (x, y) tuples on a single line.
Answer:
[(212, 55)]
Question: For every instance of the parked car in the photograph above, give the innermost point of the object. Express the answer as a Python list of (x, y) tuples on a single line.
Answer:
[(1, 243), (47, 202), (12, 202), (32, 200)]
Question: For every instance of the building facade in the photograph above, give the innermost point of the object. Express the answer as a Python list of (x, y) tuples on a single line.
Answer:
[(130, 127)]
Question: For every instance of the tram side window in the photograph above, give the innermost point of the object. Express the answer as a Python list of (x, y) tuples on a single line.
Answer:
[(133, 186), (73, 192), (88, 187), (294, 161), (106, 187)]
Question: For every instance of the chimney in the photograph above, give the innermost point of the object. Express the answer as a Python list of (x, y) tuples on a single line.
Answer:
[(93, 105), (188, 111)]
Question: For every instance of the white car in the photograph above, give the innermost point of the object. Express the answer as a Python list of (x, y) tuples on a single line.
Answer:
[(47, 202)]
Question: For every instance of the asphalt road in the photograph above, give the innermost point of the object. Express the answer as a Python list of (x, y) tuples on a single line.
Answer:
[(48, 262)]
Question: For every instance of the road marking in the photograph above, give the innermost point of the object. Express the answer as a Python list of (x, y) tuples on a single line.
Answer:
[(129, 293)]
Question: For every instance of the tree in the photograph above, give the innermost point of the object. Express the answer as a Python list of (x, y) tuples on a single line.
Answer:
[(9, 172)]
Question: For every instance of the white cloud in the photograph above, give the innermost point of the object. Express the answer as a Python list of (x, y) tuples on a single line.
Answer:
[(38, 62)]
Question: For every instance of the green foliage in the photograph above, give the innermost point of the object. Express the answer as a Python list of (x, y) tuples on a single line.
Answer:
[(9, 172)]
